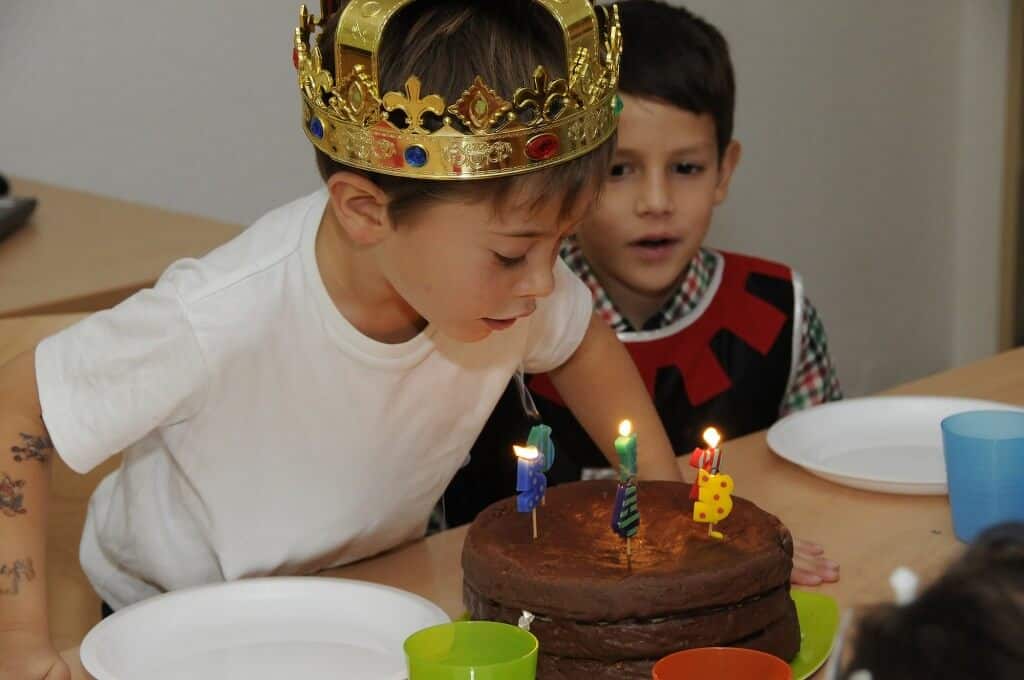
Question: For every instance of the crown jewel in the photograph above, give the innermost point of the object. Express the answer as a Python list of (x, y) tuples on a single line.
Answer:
[(483, 133)]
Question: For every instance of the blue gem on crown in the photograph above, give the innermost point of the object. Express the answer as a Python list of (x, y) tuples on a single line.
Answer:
[(416, 156), (317, 128)]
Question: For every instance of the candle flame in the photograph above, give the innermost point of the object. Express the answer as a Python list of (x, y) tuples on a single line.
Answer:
[(712, 437), (527, 452), (625, 428)]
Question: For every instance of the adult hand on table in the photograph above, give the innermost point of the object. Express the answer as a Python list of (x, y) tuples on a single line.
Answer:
[(810, 566), (26, 655)]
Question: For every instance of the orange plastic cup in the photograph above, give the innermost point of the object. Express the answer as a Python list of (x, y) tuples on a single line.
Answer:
[(722, 662)]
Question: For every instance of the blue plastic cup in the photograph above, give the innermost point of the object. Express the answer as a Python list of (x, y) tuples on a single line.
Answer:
[(984, 453)]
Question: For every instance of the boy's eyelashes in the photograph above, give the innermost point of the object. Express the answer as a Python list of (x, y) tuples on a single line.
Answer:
[(624, 169), (688, 168), (509, 262)]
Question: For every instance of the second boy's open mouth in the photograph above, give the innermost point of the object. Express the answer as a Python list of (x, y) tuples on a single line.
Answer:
[(655, 246)]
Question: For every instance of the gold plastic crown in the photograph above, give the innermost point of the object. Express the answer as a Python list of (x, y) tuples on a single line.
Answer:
[(483, 133)]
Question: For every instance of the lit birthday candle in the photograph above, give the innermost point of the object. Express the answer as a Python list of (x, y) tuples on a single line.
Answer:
[(530, 481), (625, 512), (713, 440), (625, 446), (713, 501), (705, 459)]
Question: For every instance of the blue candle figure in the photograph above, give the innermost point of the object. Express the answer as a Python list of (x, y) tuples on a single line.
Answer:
[(530, 481), (625, 512)]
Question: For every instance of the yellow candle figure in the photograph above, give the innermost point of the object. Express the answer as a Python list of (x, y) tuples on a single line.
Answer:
[(714, 500)]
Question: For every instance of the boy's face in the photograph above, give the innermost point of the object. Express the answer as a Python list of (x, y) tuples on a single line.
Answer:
[(656, 207), (472, 270)]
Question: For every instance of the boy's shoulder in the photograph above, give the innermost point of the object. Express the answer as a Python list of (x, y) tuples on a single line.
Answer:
[(268, 244), (737, 276)]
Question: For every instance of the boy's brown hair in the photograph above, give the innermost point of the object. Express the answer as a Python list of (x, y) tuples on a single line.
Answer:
[(674, 56), (447, 43)]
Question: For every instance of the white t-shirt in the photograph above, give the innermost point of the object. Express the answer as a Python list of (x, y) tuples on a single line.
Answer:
[(264, 433)]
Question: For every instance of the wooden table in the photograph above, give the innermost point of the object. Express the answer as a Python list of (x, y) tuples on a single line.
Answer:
[(82, 252), (868, 533)]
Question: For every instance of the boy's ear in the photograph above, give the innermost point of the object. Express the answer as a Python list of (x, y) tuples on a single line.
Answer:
[(727, 166), (360, 207)]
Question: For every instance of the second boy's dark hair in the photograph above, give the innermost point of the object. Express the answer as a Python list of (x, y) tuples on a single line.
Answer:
[(673, 55)]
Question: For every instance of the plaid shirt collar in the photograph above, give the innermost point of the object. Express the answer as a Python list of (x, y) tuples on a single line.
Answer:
[(689, 292)]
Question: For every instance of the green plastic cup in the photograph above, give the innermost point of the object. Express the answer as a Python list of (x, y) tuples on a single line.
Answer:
[(471, 650)]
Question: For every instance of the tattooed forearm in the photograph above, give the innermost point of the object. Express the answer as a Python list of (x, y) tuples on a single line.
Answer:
[(11, 496), (12, 574), (33, 447)]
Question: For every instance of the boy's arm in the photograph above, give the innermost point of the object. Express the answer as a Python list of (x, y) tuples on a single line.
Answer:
[(25, 462), (602, 387)]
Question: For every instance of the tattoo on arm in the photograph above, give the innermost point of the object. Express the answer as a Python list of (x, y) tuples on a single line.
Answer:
[(33, 447), (12, 574), (11, 496)]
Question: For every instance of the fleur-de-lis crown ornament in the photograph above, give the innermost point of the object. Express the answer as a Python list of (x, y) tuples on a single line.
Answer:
[(482, 134)]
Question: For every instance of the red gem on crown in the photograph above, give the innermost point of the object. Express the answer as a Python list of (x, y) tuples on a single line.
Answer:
[(542, 147)]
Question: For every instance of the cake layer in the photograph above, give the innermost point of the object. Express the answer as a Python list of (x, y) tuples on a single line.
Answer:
[(578, 570), (639, 638), (781, 639)]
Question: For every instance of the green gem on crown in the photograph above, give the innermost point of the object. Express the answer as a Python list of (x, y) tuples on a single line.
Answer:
[(617, 104)]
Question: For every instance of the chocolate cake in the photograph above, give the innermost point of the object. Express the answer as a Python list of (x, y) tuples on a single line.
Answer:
[(601, 614)]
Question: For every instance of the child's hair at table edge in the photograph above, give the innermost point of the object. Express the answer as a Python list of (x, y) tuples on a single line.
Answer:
[(968, 624)]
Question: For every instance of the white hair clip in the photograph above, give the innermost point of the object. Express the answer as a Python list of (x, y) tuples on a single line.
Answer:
[(904, 584)]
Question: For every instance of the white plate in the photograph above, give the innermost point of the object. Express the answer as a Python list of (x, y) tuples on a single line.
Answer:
[(256, 629), (890, 444)]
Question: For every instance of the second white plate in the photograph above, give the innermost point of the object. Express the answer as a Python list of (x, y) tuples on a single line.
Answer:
[(889, 444), (261, 629)]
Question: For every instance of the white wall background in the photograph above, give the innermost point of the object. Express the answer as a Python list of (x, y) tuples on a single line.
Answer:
[(873, 133)]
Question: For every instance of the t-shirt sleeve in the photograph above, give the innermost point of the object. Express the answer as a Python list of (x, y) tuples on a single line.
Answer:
[(560, 322), (114, 377)]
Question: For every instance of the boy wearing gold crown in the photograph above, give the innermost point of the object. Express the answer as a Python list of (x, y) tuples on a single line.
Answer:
[(300, 397)]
